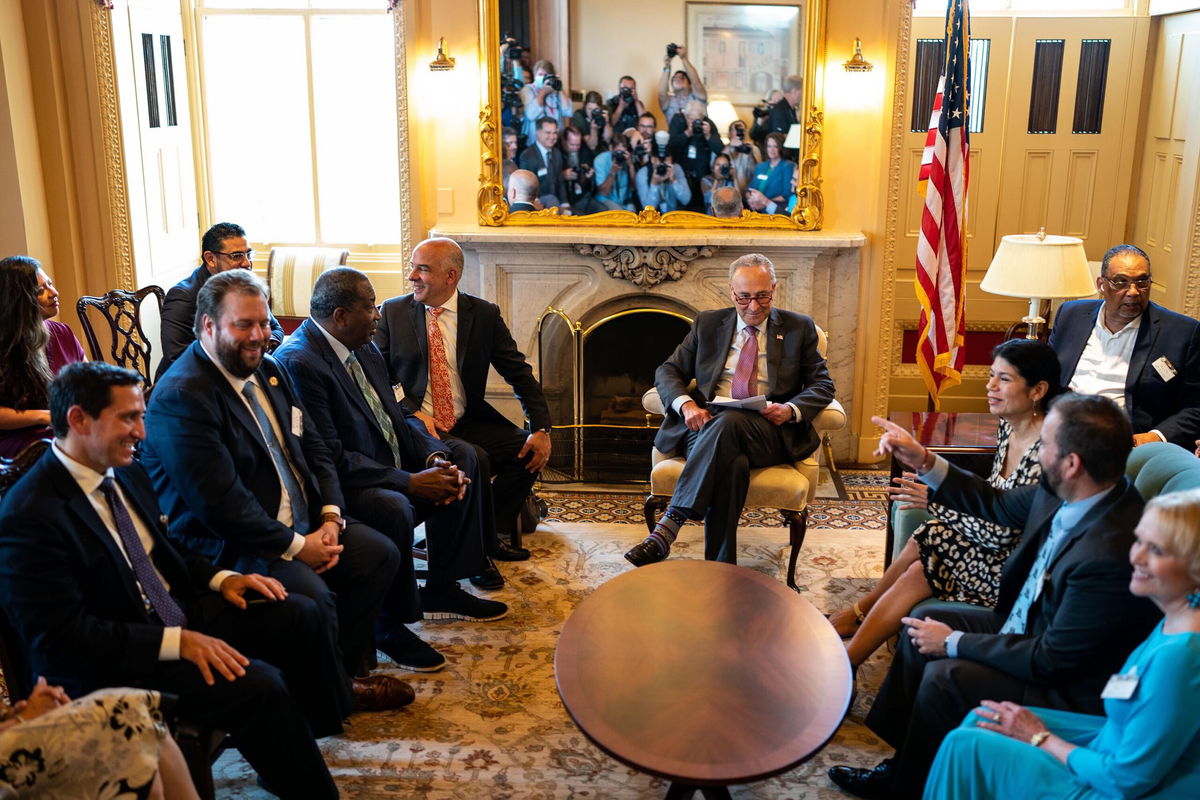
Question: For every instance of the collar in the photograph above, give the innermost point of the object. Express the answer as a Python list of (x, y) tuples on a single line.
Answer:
[(545, 151), (1103, 330), (450, 305), (340, 350), (234, 381), (87, 478), (1069, 514)]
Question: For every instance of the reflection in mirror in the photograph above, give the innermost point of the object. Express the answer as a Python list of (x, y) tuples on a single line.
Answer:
[(719, 128)]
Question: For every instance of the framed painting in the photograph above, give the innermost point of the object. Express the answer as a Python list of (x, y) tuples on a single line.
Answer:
[(744, 51)]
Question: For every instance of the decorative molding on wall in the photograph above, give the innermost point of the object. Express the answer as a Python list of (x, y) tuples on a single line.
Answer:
[(1191, 303), (644, 266), (889, 339), (408, 202), (116, 191)]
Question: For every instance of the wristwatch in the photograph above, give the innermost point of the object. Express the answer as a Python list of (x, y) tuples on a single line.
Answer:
[(1039, 737), (329, 516)]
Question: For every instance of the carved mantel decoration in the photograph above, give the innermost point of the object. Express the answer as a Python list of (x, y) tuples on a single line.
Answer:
[(644, 266)]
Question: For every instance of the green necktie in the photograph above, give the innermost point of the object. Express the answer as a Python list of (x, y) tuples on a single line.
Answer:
[(381, 418)]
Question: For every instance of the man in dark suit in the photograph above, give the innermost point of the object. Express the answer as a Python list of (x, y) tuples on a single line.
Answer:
[(1137, 353), (545, 161), (1064, 621), (783, 113), (740, 352), (101, 598), (393, 473), (223, 247), (249, 483), (447, 391)]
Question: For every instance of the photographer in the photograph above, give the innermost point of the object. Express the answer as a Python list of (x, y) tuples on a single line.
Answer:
[(625, 107), (614, 176), (578, 173), (693, 143), (786, 112), (722, 176), (662, 184), (545, 97), (646, 126), (743, 155), (512, 78), (509, 137), (685, 84), (545, 161), (774, 179), (592, 122), (762, 113)]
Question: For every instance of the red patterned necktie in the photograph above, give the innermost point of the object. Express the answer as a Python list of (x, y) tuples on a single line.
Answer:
[(439, 375), (745, 374)]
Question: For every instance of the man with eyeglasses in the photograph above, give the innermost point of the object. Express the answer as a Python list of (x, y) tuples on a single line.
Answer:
[(741, 352), (223, 247), (1139, 354)]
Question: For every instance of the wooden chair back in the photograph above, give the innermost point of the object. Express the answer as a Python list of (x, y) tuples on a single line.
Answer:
[(126, 342)]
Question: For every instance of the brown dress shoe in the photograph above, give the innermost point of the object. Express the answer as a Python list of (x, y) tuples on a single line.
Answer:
[(381, 693)]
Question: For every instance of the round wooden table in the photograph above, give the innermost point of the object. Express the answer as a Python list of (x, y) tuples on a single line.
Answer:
[(703, 673)]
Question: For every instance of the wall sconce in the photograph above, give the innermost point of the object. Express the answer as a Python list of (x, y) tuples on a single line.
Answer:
[(857, 62), (443, 62)]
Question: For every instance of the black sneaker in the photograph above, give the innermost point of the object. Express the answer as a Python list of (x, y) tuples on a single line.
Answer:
[(452, 602), (409, 651)]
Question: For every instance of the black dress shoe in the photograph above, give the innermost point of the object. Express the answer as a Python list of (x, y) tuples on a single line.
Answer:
[(506, 552), (866, 783), (490, 578), (645, 552), (409, 651)]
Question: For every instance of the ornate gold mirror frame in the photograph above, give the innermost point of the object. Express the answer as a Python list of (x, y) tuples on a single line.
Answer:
[(809, 210)]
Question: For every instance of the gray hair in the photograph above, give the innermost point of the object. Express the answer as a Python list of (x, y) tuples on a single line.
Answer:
[(792, 82), (1123, 250), (727, 203), (340, 287), (752, 260)]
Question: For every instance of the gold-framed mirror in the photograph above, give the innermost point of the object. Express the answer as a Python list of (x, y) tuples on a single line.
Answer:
[(808, 206)]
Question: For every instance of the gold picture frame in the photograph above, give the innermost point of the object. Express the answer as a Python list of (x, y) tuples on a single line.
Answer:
[(808, 214)]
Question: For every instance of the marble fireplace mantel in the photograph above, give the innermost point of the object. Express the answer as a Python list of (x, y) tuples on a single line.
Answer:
[(589, 273)]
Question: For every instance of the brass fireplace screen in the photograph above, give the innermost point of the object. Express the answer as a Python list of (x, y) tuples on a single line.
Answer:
[(594, 377)]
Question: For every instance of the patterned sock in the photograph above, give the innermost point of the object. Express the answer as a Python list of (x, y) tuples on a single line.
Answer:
[(667, 528)]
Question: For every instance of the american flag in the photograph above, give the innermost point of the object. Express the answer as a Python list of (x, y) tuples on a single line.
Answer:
[(942, 245)]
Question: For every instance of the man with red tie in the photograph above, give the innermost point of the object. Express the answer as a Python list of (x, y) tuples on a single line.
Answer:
[(744, 351)]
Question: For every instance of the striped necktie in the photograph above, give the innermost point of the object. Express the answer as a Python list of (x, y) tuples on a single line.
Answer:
[(373, 402)]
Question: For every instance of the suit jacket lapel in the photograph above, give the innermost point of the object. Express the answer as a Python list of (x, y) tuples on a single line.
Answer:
[(1079, 335), (1147, 333), (774, 336), (1096, 513), (421, 334), (341, 374), (712, 369), (1017, 568), (280, 404), (236, 404), (464, 329)]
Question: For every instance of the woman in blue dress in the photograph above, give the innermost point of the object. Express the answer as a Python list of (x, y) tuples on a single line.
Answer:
[(772, 179), (1148, 744)]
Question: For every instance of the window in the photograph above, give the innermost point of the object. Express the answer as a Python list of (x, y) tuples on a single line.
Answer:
[(298, 111)]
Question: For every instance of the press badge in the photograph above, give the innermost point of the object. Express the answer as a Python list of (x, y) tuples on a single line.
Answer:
[(691, 152), (1164, 368), (1121, 686), (297, 422), (542, 172)]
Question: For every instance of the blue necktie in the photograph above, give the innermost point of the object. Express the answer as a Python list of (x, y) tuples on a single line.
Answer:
[(1017, 621), (158, 598), (282, 466)]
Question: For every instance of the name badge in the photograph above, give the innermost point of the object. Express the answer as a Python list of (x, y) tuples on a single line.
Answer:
[(1121, 686), (1164, 368), (691, 152), (297, 422), (541, 173)]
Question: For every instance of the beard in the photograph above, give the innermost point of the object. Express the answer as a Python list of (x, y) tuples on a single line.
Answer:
[(1050, 479), (239, 361)]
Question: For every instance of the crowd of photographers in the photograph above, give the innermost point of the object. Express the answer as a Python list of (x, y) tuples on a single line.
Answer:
[(609, 154)]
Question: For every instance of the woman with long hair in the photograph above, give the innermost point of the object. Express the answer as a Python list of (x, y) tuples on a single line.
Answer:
[(33, 348)]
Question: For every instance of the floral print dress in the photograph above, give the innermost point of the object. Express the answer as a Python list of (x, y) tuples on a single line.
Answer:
[(963, 556)]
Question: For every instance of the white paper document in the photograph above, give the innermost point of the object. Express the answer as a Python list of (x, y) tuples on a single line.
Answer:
[(756, 403)]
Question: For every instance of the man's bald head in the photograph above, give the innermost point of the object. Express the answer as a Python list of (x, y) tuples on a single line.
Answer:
[(726, 202), (522, 187), (436, 269)]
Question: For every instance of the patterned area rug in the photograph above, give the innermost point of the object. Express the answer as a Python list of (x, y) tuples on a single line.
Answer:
[(491, 725)]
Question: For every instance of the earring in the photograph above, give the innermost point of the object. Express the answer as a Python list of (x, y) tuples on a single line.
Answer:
[(1193, 598)]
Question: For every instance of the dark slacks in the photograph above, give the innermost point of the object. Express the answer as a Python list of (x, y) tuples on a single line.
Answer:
[(923, 698), (348, 596), (293, 689), (716, 477), (453, 534), (503, 475)]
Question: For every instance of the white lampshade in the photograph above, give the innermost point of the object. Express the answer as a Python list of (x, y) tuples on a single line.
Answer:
[(722, 113), (794, 137), (1039, 266)]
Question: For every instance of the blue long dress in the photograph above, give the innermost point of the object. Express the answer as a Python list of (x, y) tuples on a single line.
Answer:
[(1147, 746)]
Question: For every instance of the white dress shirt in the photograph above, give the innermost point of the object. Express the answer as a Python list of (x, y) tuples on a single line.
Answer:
[(1103, 366), (447, 322), (89, 482)]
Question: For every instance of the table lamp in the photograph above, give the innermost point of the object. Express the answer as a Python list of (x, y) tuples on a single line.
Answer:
[(1038, 267), (722, 114), (794, 137)]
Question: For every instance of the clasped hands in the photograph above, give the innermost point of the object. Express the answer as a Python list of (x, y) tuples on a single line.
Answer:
[(695, 417), (441, 483)]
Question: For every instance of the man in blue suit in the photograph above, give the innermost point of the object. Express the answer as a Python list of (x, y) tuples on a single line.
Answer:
[(1138, 354), (246, 481), (393, 473)]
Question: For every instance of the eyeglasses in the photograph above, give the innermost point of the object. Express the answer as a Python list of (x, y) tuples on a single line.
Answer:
[(237, 255), (1121, 284), (743, 299)]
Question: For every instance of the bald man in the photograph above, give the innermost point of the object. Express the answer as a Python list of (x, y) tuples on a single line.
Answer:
[(726, 203), (522, 190), (448, 392)]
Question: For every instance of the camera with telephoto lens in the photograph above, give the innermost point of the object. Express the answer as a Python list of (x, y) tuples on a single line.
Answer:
[(626, 93), (761, 110), (741, 148), (553, 81), (515, 51), (620, 157), (660, 169), (598, 117), (723, 170), (672, 50), (696, 130), (510, 94)]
